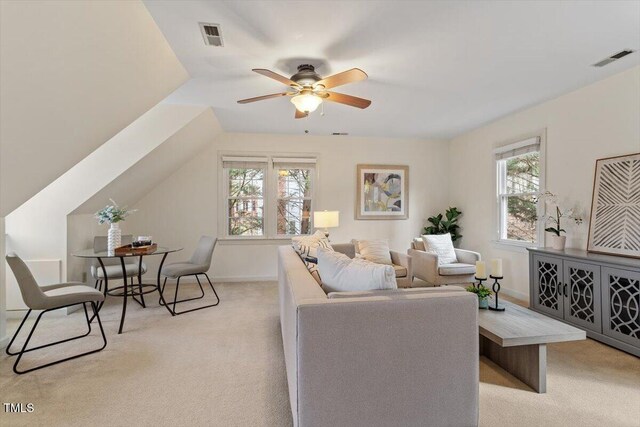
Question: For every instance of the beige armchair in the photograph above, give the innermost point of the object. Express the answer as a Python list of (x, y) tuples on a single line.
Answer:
[(401, 263), (425, 266)]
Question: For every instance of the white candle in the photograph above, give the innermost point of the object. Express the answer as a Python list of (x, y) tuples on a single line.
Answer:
[(481, 270), (496, 267)]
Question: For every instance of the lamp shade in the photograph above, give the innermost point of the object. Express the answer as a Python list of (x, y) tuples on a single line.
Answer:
[(326, 219)]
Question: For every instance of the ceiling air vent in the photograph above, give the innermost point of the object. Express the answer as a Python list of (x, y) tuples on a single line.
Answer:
[(211, 34), (612, 58), (340, 133)]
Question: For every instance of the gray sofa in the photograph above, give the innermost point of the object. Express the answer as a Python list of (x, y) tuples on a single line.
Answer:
[(406, 357)]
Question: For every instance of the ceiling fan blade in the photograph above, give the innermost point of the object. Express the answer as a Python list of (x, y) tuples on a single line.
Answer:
[(300, 114), (260, 98), (276, 76), (349, 76), (352, 101)]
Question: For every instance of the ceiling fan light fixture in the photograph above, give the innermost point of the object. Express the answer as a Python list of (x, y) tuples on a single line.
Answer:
[(306, 102)]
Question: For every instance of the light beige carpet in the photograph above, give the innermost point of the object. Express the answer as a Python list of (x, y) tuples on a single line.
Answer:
[(224, 367)]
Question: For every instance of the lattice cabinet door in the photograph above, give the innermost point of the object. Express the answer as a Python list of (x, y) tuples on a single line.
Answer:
[(582, 294), (621, 305), (547, 285)]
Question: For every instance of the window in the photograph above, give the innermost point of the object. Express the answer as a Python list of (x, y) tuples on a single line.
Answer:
[(519, 179), (267, 197)]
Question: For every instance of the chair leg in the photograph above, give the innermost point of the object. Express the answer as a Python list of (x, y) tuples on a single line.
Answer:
[(187, 299), (197, 308), (26, 343)]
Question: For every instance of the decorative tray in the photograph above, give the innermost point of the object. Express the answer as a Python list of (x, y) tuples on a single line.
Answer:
[(141, 250)]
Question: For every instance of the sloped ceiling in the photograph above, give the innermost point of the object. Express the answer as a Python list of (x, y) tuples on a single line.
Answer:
[(158, 165), (72, 75), (436, 68)]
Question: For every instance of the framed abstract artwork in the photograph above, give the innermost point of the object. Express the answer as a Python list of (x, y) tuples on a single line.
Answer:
[(614, 228), (383, 192)]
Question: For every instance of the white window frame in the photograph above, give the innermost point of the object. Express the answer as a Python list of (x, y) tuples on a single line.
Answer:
[(270, 191), (500, 193)]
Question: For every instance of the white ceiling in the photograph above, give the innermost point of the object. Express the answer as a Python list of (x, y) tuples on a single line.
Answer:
[(436, 69)]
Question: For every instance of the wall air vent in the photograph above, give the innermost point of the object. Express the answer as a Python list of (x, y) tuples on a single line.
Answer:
[(211, 34), (612, 58), (340, 133)]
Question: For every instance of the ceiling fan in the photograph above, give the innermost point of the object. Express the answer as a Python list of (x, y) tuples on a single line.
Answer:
[(309, 89)]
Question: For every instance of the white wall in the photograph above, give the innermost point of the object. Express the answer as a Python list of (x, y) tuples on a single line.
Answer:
[(600, 120), (72, 75), (38, 228), (185, 206)]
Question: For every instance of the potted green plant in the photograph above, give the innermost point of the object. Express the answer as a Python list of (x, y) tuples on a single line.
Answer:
[(558, 241), (483, 294), (447, 223), (113, 214)]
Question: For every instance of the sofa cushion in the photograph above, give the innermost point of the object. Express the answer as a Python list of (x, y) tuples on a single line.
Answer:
[(400, 270), (456, 269), (441, 245), (341, 273), (375, 251)]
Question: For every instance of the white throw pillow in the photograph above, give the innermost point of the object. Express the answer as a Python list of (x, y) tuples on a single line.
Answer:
[(375, 251), (341, 273), (308, 245), (441, 245)]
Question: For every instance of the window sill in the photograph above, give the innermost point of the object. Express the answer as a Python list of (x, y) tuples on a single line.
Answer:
[(253, 240), (514, 246)]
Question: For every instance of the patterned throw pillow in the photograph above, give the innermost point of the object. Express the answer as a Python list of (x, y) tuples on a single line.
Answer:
[(307, 249)]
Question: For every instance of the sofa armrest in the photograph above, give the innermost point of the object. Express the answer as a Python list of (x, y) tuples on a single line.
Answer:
[(424, 265), (467, 257), (348, 249), (404, 260)]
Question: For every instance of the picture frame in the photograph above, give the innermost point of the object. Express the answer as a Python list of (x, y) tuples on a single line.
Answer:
[(614, 227), (382, 192)]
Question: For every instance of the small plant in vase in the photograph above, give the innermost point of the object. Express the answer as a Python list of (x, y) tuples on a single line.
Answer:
[(113, 214), (483, 294), (555, 221)]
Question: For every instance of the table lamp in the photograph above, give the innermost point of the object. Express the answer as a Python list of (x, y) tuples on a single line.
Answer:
[(326, 220)]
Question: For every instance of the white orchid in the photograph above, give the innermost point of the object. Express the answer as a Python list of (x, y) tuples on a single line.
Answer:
[(555, 220)]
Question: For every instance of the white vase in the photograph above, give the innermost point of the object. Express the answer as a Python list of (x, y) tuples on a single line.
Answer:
[(114, 237), (558, 242)]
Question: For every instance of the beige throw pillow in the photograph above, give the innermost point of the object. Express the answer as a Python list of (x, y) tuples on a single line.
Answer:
[(441, 245), (375, 251)]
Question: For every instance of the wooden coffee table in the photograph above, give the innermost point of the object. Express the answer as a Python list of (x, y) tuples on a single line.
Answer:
[(516, 339)]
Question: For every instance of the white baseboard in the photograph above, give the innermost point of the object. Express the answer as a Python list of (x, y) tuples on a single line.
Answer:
[(228, 279), (246, 279), (515, 294)]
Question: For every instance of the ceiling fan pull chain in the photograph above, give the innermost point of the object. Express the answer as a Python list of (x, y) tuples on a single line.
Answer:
[(322, 109)]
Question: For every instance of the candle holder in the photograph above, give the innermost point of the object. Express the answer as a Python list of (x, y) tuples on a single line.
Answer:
[(496, 290), (480, 280)]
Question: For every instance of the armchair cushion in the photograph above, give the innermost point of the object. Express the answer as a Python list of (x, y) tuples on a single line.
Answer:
[(456, 269), (400, 271), (442, 245)]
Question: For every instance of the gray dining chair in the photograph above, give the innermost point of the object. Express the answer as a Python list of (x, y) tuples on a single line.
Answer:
[(113, 267), (48, 298), (199, 264)]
